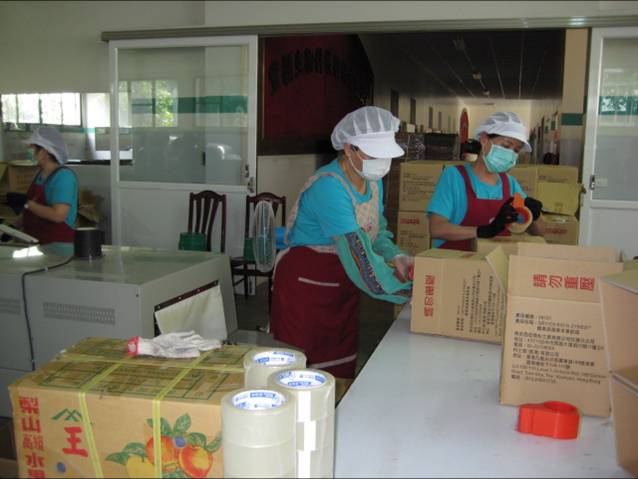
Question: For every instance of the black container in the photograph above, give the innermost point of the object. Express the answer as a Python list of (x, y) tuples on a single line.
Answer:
[(87, 243)]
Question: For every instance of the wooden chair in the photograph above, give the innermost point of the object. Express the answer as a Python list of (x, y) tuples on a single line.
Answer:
[(244, 267), (202, 212)]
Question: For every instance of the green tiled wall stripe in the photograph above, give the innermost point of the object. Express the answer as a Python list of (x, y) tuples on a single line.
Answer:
[(571, 119), (618, 105), (205, 104)]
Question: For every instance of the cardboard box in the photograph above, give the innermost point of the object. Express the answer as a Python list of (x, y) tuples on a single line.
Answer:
[(456, 294), (561, 229), (417, 183), (561, 198), (16, 176), (558, 173), (88, 413), (527, 177), (619, 299), (509, 244), (413, 232), (553, 348)]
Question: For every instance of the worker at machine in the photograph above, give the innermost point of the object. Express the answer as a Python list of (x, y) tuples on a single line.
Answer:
[(339, 245), (51, 203), (474, 200)]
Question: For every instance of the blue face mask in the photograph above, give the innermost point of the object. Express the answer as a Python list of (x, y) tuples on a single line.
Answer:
[(500, 159)]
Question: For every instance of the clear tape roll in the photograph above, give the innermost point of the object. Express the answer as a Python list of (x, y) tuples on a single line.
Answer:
[(270, 461), (258, 417), (313, 435), (260, 363), (315, 463), (524, 220), (314, 392)]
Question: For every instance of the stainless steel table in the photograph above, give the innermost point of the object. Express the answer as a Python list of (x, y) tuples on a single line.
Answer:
[(428, 406)]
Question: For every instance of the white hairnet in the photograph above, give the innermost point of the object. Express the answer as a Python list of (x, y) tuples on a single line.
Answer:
[(505, 123), (51, 140), (370, 128)]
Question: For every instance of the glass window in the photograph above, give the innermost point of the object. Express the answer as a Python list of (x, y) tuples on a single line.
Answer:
[(9, 109), (98, 114), (51, 104), (29, 108), (71, 109), (142, 103)]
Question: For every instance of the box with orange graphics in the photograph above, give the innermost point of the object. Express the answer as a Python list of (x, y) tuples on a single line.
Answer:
[(84, 416)]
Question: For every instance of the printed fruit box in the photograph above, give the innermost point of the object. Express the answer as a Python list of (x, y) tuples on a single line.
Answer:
[(78, 416)]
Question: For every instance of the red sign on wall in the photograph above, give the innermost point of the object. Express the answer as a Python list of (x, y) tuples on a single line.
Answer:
[(308, 84)]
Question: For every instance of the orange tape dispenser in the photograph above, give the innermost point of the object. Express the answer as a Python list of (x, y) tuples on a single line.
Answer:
[(555, 419), (524, 216)]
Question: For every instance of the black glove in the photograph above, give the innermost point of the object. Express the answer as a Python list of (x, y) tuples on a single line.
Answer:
[(534, 206), (507, 214)]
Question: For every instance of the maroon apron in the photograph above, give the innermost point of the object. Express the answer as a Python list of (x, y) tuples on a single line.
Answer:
[(315, 306), (44, 230), (479, 211)]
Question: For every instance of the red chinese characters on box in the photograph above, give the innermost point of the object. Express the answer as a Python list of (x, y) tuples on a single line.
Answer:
[(584, 283), (32, 439), (74, 442), (428, 299)]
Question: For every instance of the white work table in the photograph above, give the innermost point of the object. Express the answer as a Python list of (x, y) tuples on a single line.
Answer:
[(428, 406)]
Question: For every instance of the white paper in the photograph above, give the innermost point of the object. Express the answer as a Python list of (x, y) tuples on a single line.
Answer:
[(202, 313)]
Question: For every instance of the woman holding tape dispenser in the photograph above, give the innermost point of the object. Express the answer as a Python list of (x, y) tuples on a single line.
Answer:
[(477, 199)]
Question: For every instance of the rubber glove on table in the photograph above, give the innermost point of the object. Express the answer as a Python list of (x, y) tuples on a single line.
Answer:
[(172, 345)]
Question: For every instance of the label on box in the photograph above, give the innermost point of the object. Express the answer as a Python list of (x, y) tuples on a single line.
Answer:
[(553, 351)]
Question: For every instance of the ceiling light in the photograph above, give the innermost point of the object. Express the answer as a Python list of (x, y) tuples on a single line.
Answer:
[(476, 75)]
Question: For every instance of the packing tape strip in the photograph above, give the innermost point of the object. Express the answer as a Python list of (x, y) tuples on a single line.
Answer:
[(260, 363), (258, 417), (315, 463), (314, 391), (313, 435), (272, 461), (156, 414)]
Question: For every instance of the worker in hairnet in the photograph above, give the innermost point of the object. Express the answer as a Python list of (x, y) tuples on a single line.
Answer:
[(339, 245), (474, 200), (52, 199)]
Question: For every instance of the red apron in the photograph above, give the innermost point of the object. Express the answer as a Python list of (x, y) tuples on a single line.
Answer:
[(44, 230), (479, 212), (315, 306)]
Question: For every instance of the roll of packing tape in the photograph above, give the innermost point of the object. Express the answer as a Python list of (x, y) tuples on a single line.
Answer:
[(522, 223), (314, 392), (315, 463), (259, 433), (260, 363)]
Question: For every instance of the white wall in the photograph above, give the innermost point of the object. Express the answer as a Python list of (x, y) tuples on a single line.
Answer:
[(225, 13), (56, 46)]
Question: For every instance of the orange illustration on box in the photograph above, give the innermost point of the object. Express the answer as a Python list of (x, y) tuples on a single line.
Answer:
[(184, 454)]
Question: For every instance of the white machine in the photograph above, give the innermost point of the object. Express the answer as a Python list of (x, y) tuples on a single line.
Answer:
[(112, 296)]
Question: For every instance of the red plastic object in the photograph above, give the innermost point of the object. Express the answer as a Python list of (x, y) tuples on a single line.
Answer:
[(555, 419)]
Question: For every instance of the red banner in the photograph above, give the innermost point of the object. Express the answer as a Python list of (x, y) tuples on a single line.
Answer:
[(309, 83)]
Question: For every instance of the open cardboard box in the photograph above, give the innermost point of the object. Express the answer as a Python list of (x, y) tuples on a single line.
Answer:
[(553, 347), (456, 294), (619, 299), (508, 243)]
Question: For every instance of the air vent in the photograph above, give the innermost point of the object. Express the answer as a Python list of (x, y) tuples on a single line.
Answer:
[(10, 306), (74, 312)]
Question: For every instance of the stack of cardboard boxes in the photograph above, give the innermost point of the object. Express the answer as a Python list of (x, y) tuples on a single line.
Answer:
[(417, 181), (619, 298), (557, 187)]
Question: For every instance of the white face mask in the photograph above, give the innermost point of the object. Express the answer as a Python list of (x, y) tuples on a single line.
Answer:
[(374, 168)]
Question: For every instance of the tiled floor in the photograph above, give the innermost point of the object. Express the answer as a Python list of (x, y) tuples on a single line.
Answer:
[(375, 318)]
